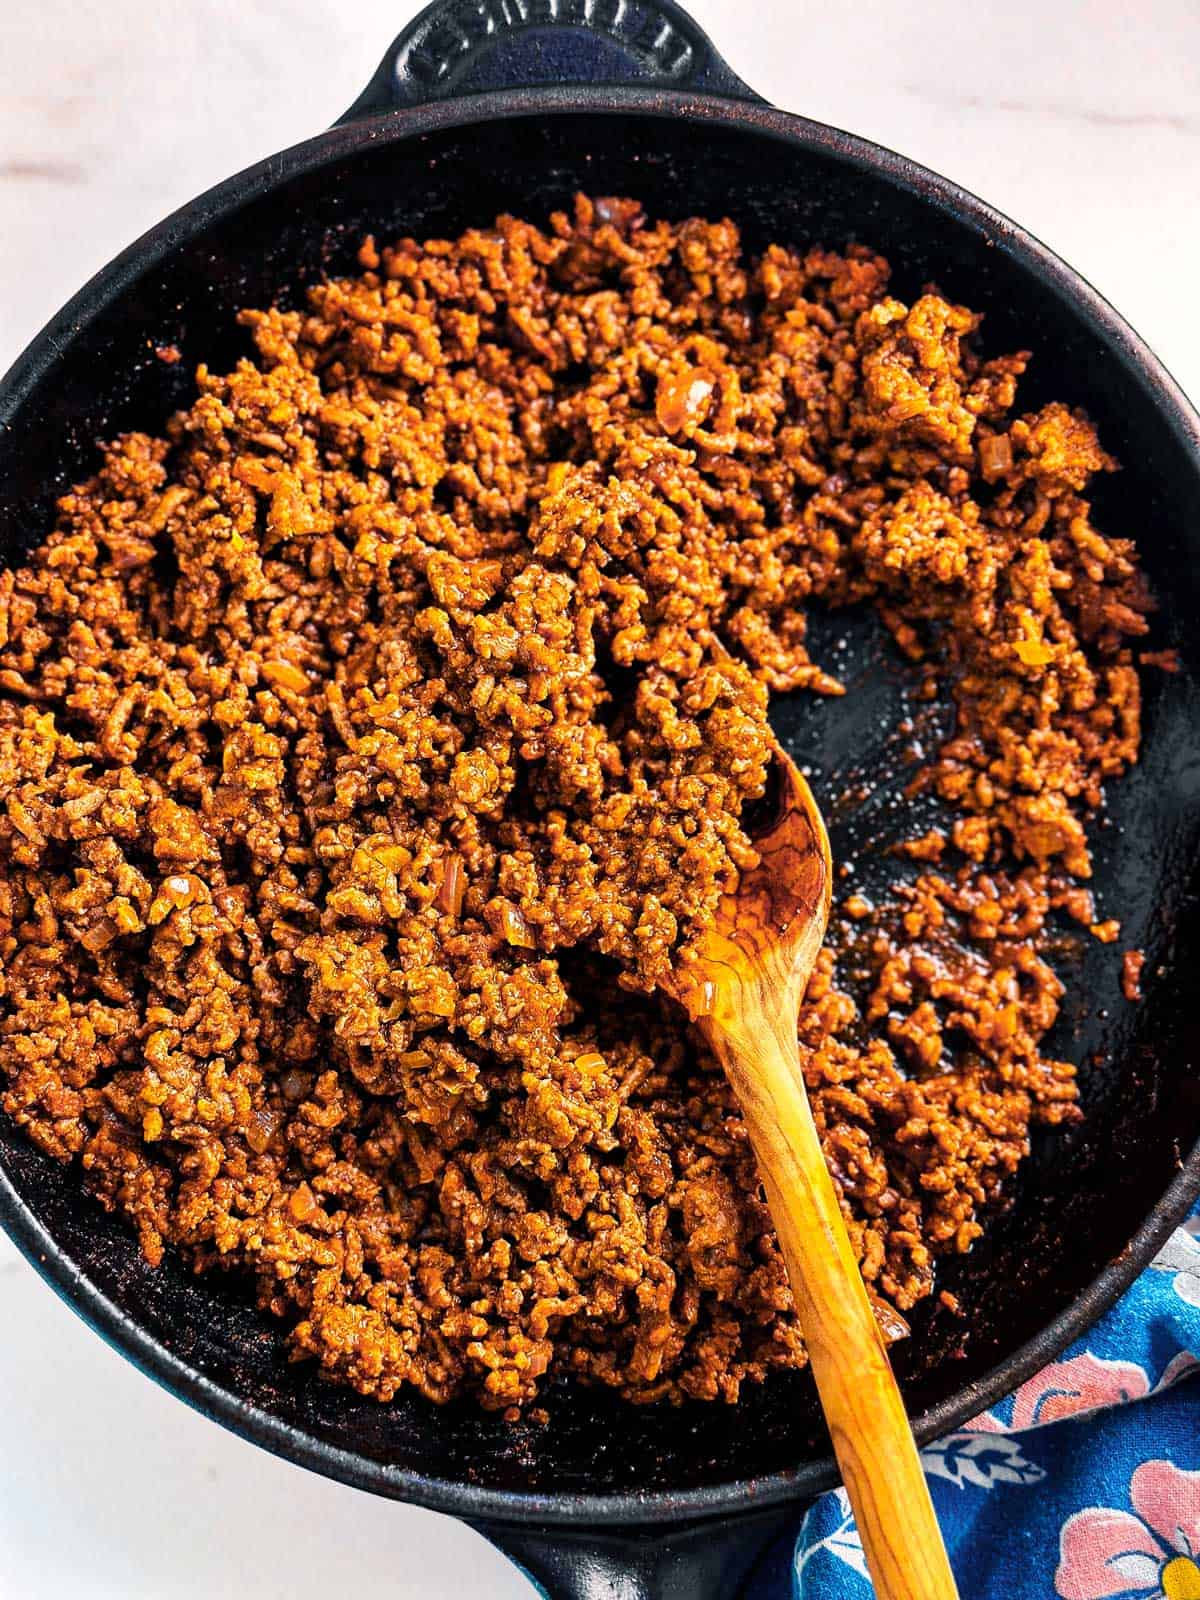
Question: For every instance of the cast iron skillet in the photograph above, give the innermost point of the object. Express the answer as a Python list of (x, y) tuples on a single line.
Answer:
[(515, 104)]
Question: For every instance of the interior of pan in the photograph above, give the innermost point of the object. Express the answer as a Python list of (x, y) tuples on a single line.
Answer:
[(1082, 1194)]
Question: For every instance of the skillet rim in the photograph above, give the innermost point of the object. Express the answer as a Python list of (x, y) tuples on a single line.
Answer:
[(54, 1263)]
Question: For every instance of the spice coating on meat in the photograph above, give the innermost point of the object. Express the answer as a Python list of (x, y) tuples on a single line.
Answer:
[(372, 743)]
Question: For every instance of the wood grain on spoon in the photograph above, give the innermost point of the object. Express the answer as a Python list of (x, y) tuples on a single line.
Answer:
[(743, 987)]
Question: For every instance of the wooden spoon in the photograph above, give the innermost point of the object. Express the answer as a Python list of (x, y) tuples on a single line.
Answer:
[(742, 985)]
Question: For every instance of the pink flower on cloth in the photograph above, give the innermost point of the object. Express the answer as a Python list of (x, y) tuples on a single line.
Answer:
[(1103, 1551), (1068, 1389)]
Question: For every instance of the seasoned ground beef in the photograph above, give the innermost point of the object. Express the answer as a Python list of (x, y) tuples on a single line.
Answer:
[(372, 743)]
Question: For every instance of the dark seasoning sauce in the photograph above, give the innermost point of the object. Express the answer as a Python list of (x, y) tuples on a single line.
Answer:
[(374, 741)]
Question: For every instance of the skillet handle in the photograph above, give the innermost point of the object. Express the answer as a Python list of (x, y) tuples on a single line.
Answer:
[(701, 1561), (464, 47)]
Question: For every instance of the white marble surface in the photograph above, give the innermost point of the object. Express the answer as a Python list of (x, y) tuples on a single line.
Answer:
[(1081, 118)]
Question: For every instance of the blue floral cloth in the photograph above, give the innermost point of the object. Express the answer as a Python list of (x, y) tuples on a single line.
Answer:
[(1084, 1485)]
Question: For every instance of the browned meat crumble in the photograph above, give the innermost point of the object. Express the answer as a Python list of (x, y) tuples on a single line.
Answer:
[(369, 750)]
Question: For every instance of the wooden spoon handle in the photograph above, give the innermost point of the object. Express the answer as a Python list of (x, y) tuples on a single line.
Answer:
[(867, 1421)]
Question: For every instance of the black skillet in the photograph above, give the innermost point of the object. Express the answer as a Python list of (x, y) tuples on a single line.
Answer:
[(483, 105)]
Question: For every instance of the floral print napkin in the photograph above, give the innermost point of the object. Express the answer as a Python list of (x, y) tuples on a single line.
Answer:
[(1083, 1485)]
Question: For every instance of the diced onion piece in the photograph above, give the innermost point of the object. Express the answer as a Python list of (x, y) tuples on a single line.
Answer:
[(1034, 652), (681, 398), (995, 455), (454, 885), (891, 1324), (514, 929), (302, 1204), (284, 675)]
